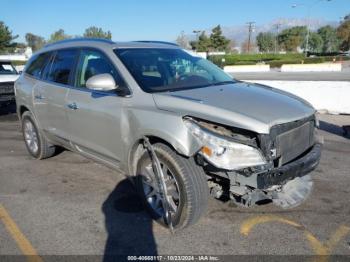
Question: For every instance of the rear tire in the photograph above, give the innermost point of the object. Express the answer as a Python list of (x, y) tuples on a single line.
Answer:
[(187, 184), (36, 143)]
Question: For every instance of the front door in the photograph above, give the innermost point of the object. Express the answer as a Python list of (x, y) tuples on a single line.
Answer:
[(95, 117), (53, 91)]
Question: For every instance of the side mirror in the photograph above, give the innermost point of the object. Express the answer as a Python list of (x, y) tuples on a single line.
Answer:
[(101, 82)]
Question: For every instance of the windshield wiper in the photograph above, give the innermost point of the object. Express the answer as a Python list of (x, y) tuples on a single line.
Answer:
[(223, 83)]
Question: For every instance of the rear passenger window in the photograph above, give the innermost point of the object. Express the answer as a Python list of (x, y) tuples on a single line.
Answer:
[(62, 66), (37, 64)]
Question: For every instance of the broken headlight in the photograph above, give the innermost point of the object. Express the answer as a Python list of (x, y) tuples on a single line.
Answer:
[(224, 153)]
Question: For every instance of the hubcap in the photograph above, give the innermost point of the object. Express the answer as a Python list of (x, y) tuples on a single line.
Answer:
[(152, 191), (31, 137)]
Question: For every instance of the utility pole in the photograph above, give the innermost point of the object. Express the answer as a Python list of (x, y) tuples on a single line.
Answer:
[(277, 26), (250, 29), (197, 32)]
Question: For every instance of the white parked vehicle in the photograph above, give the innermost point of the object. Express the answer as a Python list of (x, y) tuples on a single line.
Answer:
[(8, 76)]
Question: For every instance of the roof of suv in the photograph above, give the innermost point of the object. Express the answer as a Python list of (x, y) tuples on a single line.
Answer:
[(105, 43)]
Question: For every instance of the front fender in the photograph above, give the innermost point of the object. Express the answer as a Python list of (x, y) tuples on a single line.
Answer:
[(165, 125)]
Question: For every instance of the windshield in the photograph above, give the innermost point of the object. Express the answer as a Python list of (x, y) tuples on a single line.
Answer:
[(6, 68), (160, 70)]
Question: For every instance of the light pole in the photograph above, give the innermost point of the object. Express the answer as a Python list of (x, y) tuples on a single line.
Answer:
[(309, 7), (197, 32)]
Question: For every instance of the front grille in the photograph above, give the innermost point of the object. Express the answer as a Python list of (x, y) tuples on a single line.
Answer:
[(6, 88), (291, 144), (287, 141)]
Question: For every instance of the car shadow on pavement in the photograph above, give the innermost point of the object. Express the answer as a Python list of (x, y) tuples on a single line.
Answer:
[(8, 110), (333, 129), (128, 225)]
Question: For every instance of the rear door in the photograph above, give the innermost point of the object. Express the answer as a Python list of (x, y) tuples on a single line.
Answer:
[(95, 117), (52, 92), (34, 72)]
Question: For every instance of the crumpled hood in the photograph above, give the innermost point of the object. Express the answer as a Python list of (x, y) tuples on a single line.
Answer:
[(250, 106)]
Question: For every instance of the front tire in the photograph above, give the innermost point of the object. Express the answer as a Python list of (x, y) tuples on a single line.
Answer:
[(37, 145), (186, 183)]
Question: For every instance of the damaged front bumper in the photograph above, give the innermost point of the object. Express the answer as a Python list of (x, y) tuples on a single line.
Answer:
[(297, 168), (280, 175)]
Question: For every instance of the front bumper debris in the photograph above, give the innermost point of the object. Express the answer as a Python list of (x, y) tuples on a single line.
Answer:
[(266, 177), (297, 168)]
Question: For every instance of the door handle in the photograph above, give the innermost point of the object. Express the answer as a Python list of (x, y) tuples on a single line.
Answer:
[(39, 97), (72, 106)]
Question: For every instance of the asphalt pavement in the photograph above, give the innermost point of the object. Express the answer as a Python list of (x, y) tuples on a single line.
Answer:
[(69, 205)]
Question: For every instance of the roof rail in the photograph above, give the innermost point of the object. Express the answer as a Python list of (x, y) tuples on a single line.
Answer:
[(157, 42), (81, 39)]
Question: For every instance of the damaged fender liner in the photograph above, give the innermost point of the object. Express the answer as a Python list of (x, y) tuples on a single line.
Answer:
[(297, 168)]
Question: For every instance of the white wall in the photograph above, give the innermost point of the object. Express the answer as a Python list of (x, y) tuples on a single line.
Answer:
[(246, 68), (325, 96), (325, 67)]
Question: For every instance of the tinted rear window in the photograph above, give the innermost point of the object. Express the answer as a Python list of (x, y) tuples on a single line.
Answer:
[(62, 66), (37, 64)]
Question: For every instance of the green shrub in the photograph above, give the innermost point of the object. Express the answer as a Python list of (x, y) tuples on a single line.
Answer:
[(314, 60), (274, 60), (279, 63), (235, 59)]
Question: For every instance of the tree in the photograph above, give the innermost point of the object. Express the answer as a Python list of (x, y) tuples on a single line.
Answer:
[(266, 42), (58, 36), (329, 37), (6, 37), (218, 42), (203, 44), (292, 38), (343, 33), (315, 43), (347, 17), (182, 40), (34, 41), (97, 32)]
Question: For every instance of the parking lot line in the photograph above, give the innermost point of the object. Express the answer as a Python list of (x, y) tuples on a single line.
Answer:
[(252, 222), (320, 248), (327, 247), (22, 242)]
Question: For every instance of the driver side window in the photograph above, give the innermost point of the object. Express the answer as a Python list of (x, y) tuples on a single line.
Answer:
[(91, 63)]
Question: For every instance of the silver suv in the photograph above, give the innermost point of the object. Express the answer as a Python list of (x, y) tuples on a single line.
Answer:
[(176, 124)]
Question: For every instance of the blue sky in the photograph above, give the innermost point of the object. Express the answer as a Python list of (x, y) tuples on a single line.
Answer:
[(154, 19)]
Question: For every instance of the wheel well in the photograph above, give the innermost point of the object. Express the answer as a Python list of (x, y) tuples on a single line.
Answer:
[(138, 149), (22, 109)]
